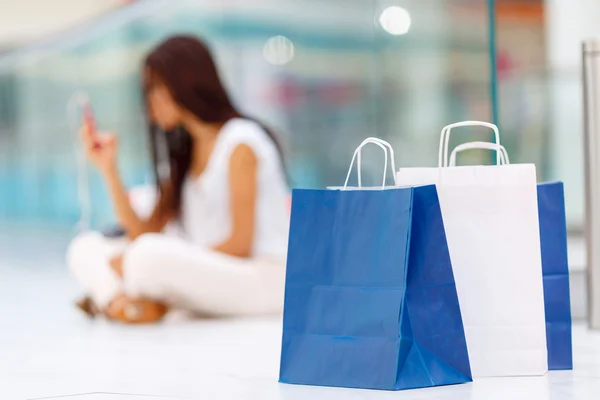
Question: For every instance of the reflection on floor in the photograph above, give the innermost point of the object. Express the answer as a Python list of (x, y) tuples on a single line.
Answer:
[(47, 349)]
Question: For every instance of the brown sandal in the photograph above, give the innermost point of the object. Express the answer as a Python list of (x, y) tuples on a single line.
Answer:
[(88, 307), (135, 311)]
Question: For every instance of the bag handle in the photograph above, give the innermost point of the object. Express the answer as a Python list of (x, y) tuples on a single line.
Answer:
[(445, 139), (385, 146), (392, 157), (502, 160)]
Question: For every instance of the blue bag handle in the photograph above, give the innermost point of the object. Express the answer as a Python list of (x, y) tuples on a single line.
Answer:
[(385, 146)]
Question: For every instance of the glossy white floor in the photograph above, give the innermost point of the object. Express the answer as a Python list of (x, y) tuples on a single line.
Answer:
[(47, 349)]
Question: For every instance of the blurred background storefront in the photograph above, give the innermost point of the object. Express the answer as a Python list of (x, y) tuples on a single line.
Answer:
[(322, 73)]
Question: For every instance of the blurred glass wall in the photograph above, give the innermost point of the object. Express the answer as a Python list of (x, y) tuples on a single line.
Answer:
[(540, 89), (323, 73)]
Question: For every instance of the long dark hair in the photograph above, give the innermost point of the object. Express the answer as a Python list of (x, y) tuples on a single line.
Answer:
[(185, 65)]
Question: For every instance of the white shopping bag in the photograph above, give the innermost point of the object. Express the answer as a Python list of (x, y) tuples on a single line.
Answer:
[(491, 219)]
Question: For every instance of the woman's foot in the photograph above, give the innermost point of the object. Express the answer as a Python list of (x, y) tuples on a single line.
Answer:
[(88, 306), (135, 311)]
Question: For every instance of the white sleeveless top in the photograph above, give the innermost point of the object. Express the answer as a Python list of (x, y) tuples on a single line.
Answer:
[(206, 213)]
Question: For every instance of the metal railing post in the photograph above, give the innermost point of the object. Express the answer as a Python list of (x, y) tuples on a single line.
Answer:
[(591, 99)]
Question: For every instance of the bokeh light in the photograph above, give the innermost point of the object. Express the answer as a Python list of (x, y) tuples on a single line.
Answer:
[(278, 50), (395, 20)]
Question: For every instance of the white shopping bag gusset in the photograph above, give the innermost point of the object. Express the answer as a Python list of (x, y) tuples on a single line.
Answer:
[(491, 219)]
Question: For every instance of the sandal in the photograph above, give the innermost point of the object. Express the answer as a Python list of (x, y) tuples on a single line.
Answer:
[(135, 311), (88, 307)]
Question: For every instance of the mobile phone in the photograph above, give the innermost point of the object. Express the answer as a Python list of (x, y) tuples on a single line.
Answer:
[(114, 232), (90, 122)]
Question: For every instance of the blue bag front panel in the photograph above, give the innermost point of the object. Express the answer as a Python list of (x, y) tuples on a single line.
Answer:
[(432, 307), (345, 281), (348, 238), (555, 268)]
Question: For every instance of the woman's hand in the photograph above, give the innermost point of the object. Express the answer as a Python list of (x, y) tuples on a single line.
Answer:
[(100, 149)]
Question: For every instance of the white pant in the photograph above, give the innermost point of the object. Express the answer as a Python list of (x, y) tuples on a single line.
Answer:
[(178, 273)]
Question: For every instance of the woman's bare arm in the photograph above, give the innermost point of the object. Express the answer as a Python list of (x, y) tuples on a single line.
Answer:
[(101, 149), (242, 188), (130, 221)]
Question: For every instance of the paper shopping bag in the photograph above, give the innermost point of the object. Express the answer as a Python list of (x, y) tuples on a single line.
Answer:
[(555, 268), (370, 300), (491, 219)]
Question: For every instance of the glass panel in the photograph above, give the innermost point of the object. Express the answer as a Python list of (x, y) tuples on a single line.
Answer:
[(541, 109)]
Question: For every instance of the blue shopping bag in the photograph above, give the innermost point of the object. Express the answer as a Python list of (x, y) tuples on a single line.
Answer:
[(370, 299), (555, 269)]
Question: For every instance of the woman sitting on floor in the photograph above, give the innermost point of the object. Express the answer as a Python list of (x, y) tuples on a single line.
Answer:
[(225, 195)]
